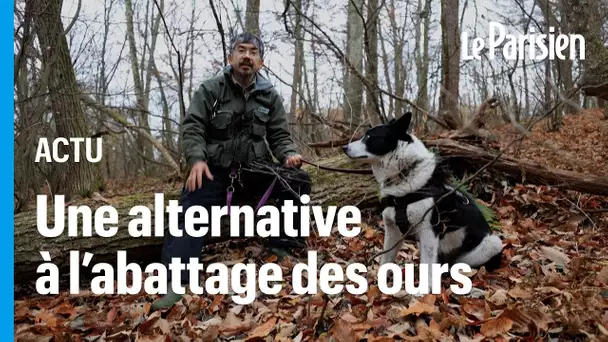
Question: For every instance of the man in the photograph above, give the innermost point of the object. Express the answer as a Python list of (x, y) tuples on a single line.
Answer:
[(234, 125)]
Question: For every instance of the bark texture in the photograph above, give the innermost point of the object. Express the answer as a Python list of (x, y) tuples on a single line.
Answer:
[(68, 115)]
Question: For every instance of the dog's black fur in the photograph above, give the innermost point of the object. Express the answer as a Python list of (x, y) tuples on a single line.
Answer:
[(417, 196)]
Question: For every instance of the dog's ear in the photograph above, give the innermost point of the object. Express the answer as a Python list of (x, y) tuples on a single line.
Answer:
[(403, 123)]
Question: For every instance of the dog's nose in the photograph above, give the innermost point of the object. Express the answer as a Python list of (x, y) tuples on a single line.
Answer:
[(345, 148)]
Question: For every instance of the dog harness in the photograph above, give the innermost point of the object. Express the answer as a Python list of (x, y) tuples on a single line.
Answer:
[(449, 213)]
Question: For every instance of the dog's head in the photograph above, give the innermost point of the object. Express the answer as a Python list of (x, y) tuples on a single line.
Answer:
[(381, 140)]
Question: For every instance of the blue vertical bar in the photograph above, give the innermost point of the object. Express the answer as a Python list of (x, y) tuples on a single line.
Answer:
[(7, 137)]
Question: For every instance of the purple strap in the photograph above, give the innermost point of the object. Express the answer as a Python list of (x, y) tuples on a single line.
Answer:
[(228, 200), (262, 200), (266, 195), (230, 188)]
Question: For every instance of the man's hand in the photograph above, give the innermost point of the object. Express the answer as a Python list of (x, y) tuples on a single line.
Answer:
[(195, 180), (294, 161)]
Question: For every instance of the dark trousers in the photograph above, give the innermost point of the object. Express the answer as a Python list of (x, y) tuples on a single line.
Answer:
[(255, 181)]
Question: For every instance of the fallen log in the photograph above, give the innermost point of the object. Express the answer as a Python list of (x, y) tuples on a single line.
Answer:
[(29, 242), (521, 171), (353, 189), (329, 189), (457, 152)]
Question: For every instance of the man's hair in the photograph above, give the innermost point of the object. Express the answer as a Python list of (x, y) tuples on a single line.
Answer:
[(247, 37)]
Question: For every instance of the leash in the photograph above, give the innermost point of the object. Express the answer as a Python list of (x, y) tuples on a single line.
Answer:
[(354, 171), (234, 174)]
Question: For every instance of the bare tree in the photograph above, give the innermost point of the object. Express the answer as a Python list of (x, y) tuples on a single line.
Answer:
[(68, 115), (142, 73), (450, 43), (353, 86), (252, 19), (297, 65), (422, 54), (371, 65)]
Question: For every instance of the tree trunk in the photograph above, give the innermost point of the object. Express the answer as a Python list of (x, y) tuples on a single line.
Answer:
[(520, 171), (584, 18), (252, 17), (385, 62), (353, 86), (29, 242), (371, 65), (68, 115), (27, 113), (142, 87), (449, 94), (565, 66), (399, 78), (422, 57), (297, 65)]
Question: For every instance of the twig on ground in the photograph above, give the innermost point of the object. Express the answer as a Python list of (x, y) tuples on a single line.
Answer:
[(326, 299), (582, 211)]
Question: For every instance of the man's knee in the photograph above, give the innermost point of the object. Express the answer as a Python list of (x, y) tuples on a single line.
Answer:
[(302, 179), (209, 194)]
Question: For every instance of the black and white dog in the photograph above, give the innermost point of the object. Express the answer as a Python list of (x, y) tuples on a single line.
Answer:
[(412, 183)]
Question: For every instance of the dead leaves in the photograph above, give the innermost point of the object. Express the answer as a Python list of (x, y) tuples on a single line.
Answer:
[(519, 293), (342, 331), (477, 308), (154, 326), (555, 255), (562, 149), (261, 331), (602, 276), (496, 327), (233, 325), (424, 306), (552, 279), (499, 298)]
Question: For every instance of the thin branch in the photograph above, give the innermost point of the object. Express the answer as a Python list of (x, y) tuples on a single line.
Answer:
[(219, 28)]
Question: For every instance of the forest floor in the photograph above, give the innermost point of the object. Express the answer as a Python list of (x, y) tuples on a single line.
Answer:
[(553, 283)]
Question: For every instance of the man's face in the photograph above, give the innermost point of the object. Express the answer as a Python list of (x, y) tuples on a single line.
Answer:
[(245, 59)]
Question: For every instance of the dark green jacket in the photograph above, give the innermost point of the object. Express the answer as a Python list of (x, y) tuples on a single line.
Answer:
[(222, 126)]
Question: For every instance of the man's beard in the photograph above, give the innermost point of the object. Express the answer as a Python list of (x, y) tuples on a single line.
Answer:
[(248, 71)]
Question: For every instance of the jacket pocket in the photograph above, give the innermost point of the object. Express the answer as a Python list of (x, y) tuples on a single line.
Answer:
[(261, 151), (213, 151), (220, 125), (261, 116)]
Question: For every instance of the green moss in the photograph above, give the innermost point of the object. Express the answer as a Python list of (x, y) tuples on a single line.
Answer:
[(135, 199), (487, 212)]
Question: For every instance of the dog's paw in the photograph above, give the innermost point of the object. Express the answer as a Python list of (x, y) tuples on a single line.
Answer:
[(388, 216)]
